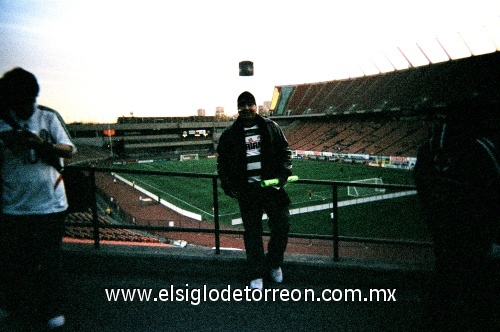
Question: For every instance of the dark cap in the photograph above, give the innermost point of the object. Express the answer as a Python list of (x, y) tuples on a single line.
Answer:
[(246, 98)]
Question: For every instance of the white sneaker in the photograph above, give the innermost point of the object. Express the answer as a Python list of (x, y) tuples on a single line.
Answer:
[(277, 275), (257, 284), (55, 322)]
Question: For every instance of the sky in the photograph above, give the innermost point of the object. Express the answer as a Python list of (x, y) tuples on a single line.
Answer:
[(96, 60)]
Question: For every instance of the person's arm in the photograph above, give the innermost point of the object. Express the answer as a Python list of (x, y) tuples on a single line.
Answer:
[(59, 150), (46, 148), (224, 165), (285, 155)]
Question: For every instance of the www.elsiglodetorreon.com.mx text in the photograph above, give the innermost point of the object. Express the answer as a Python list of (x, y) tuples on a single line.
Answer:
[(198, 295)]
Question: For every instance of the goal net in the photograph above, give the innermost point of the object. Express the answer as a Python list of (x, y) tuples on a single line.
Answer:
[(190, 156), (356, 191)]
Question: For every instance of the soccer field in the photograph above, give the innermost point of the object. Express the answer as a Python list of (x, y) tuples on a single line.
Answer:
[(393, 218)]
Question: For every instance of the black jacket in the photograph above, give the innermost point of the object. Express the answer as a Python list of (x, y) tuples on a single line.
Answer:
[(457, 176), (231, 161)]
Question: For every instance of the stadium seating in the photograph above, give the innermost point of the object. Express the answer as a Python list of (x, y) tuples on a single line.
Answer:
[(106, 234), (439, 84), (369, 136)]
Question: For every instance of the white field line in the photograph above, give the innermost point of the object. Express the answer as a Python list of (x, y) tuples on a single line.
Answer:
[(162, 201), (180, 200), (170, 195), (327, 206)]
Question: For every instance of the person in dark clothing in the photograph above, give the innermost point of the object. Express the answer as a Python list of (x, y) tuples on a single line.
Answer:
[(457, 175), (250, 150)]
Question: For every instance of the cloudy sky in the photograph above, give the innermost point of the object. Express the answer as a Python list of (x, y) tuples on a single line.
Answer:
[(97, 60)]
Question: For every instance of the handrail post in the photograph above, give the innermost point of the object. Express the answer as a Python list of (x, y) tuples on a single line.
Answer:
[(95, 217), (216, 216), (335, 222)]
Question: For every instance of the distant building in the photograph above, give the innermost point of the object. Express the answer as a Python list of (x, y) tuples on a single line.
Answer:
[(219, 111), (201, 112)]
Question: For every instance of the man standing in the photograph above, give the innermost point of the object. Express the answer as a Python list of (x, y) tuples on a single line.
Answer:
[(250, 150), (457, 175), (33, 139)]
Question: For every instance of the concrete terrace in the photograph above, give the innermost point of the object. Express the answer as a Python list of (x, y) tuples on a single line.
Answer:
[(89, 272)]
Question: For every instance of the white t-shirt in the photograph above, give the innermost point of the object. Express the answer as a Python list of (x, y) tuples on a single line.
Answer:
[(29, 185), (254, 165)]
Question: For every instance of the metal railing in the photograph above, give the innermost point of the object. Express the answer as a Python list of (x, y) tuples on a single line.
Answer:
[(336, 238)]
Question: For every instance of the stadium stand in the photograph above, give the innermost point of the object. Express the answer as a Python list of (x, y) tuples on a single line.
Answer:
[(384, 114), (405, 91), (369, 134)]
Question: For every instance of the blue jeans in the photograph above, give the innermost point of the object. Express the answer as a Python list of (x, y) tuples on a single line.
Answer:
[(275, 204)]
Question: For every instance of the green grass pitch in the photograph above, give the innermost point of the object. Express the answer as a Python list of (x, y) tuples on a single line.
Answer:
[(397, 218)]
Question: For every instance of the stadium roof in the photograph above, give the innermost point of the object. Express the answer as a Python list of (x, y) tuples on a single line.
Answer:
[(433, 85)]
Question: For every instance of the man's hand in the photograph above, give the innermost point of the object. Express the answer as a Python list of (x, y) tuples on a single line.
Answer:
[(282, 182), (34, 141), (17, 140)]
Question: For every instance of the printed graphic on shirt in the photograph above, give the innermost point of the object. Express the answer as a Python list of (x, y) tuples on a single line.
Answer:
[(252, 138), (252, 141), (253, 145)]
